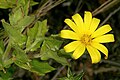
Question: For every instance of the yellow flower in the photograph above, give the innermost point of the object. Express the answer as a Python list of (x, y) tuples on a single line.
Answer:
[(85, 35)]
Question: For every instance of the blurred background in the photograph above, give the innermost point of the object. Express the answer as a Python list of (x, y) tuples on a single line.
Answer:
[(108, 11)]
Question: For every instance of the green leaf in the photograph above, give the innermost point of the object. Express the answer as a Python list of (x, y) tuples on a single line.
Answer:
[(50, 48), (26, 7), (5, 4), (36, 35), (62, 52), (21, 58), (13, 34), (16, 15), (31, 33), (43, 28), (32, 3), (35, 66), (20, 54), (11, 1), (24, 22), (37, 45), (40, 68), (21, 2), (24, 2)]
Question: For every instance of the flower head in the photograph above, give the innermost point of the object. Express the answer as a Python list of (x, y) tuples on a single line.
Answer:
[(85, 35)]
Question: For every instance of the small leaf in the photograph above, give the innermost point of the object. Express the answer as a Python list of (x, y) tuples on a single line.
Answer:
[(21, 58), (15, 15), (49, 50), (36, 35), (26, 7), (32, 3), (21, 2), (6, 4), (40, 68), (13, 34), (24, 2), (36, 46), (31, 33), (43, 28), (20, 55), (24, 22)]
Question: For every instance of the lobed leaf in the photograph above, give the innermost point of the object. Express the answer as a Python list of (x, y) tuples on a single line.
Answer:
[(49, 50), (16, 15), (36, 35), (13, 34), (23, 23)]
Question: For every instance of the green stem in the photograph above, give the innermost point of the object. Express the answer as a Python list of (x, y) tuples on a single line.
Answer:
[(4, 70)]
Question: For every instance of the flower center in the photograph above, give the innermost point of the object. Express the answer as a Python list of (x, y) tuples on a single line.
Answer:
[(86, 39)]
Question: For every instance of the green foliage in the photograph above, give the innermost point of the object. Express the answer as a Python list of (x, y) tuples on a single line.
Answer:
[(50, 48), (13, 34), (5, 4), (20, 55), (40, 67), (19, 44), (36, 35), (25, 35), (4, 60)]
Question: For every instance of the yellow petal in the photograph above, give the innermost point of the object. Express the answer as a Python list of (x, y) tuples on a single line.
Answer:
[(71, 46), (87, 20), (78, 21), (101, 48), (68, 34), (72, 25), (102, 30), (94, 24), (94, 54), (104, 38), (79, 51)]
